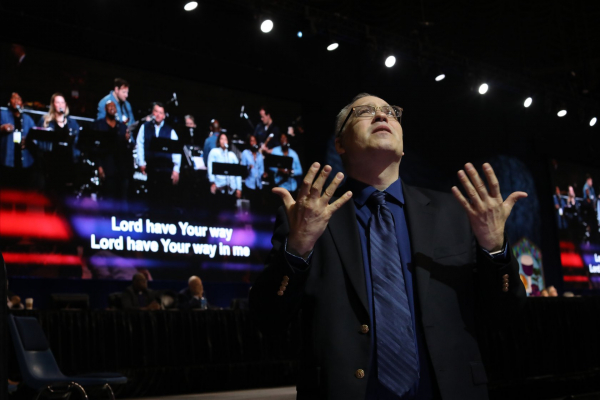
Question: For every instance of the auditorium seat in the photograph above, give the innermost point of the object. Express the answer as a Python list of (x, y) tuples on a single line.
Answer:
[(114, 301), (39, 368)]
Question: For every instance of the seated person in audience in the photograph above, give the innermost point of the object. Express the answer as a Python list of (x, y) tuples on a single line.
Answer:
[(286, 178), (552, 291), (193, 296), (544, 293), (138, 296), (223, 184), (13, 301)]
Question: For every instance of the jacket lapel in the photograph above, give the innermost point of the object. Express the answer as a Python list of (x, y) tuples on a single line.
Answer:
[(344, 231), (420, 219)]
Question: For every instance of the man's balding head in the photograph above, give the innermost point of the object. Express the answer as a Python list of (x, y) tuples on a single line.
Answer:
[(195, 286), (372, 140)]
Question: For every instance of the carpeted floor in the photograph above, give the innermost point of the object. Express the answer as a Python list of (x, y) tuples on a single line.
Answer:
[(285, 393)]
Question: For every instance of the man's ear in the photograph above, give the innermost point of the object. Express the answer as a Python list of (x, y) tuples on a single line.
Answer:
[(338, 145)]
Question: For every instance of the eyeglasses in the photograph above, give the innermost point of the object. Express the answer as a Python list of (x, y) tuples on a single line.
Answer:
[(367, 111)]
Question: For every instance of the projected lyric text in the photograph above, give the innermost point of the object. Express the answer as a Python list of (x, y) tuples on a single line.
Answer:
[(168, 239)]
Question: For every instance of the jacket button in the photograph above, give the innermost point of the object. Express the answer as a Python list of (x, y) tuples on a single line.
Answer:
[(364, 328), (359, 373)]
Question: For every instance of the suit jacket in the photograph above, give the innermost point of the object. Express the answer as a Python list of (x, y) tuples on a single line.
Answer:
[(452, 277), (130, 299), (187, 301)]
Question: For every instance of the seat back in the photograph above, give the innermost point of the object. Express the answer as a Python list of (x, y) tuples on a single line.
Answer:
[(36, 361), (114, 301)]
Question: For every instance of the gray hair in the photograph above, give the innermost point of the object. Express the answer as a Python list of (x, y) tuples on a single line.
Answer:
[(339, 120)]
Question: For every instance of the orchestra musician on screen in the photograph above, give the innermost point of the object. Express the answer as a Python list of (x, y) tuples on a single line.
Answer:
[(15, 159)]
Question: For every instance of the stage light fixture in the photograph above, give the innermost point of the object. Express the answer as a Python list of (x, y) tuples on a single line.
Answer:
[(333, 46), (192, 5), (562, 112), (440, 77), (299, 34), (593, 121), (390, 61), (266, 26), (483, 88), (527, 102)]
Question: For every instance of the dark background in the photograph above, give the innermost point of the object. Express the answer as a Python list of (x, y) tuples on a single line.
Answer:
[(542, 50)]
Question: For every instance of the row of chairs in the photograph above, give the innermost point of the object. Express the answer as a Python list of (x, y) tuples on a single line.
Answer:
[(40, 371)]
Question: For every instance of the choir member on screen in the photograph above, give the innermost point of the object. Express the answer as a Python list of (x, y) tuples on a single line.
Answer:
[(15, 158), (254, 161), (287, 178), (211, 141), (115, 165), (59, 160), (223, 184), (162, 168), (118, 96)]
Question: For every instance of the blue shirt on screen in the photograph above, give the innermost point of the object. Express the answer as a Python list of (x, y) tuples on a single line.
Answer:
[(254, 179), (288, 182), (123, 109), (7, 146)]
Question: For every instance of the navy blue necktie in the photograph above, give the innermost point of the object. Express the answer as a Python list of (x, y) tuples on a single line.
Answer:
[(397, 360)]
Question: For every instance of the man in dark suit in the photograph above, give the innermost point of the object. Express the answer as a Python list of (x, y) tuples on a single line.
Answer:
[(192, 297), (390, 282), (138, 296)]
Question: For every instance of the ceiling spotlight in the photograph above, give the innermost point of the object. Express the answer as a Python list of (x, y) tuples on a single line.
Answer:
[(483, 88), (593, 121), (299, 34), (562, 113), (440, 77), (527, 102), (190, 6), (390, 61), (333, 46), (266, 26)]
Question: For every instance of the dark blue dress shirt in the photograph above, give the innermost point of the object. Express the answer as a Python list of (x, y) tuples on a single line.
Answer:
[(395, 201)]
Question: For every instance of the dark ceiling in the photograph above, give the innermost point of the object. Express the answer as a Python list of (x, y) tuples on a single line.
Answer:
[(548, 47)]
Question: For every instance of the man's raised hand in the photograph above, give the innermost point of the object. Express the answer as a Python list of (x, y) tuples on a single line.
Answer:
[(309, 214), (486, 210)]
